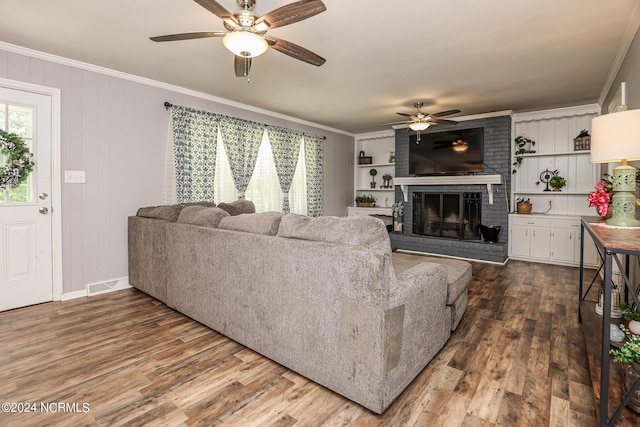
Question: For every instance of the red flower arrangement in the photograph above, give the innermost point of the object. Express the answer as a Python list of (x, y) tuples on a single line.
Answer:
[(600, 198)]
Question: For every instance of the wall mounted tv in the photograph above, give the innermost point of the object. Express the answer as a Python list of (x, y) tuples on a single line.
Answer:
[(456, 152)]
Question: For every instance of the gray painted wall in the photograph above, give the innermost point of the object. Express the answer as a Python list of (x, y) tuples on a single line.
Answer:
[(115, 129), (629, 72)]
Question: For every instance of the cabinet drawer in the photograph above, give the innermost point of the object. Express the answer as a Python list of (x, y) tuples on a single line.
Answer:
[(567, 223), (530, 222)]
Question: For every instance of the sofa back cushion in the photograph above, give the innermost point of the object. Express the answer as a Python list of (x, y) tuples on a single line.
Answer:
[(266, 223), (202, 215), (166, 212), (238, 207), (361, 230)]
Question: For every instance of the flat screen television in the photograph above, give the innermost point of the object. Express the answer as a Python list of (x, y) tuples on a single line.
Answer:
[(456, 152)]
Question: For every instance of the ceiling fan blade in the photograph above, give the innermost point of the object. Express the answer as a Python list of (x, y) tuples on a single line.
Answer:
[(291, 13), (188, 36), (443, 121), (398, 123), (445, 113), (407, 115), (217, 9), (242, 66), (295, 51)]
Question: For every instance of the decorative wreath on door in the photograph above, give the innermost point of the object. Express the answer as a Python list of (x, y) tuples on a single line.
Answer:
[(19, 161)]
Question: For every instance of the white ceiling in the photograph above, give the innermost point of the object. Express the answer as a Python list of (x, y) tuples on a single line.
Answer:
[(382, 56)]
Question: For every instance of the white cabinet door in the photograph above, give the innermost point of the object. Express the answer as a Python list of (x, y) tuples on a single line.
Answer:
[(520, 241), (540, 242), (566, 244)]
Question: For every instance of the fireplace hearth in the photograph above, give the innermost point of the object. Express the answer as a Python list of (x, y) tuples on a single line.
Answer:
[(448, 215)]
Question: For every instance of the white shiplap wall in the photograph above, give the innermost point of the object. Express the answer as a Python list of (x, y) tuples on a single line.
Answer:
[(115, 128)]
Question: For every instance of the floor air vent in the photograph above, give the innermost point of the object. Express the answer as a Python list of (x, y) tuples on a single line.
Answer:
[(108, 286)]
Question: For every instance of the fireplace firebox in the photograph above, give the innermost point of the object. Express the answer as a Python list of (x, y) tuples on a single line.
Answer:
[(450, 215)]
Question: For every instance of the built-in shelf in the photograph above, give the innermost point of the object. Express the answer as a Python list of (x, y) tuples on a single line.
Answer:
[(565, 153), (556, 193), (376, 189), (376, 165), (488, 180)]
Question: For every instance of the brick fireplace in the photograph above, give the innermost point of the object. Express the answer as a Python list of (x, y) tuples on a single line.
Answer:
[(490, 196)]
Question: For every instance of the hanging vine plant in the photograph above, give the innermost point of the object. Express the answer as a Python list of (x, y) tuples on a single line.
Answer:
[(19, 161)]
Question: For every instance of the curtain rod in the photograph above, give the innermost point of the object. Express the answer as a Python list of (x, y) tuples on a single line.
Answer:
[(168, 105)]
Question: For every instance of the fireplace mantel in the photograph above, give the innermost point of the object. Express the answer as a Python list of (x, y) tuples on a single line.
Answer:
[(488, 180)]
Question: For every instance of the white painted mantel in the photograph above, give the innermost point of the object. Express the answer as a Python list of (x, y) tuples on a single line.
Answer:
[(487, 180)]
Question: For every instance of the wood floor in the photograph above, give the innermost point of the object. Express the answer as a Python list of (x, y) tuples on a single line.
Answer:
[(517, 359)]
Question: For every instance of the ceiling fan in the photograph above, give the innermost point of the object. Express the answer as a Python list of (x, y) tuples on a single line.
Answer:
[(246, 33), (421, 121)]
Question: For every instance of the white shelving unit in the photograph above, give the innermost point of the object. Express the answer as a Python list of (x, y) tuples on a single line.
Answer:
[(379, 146), (549, 235)]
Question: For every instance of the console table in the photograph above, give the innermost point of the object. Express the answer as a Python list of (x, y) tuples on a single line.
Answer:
[(606, 375)]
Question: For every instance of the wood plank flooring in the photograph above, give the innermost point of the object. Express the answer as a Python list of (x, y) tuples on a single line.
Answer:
[(517, 359)]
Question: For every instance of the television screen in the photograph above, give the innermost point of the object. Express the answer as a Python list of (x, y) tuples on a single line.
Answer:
[(451, 152)]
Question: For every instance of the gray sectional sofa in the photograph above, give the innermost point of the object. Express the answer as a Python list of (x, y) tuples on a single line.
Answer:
[(317, 295)]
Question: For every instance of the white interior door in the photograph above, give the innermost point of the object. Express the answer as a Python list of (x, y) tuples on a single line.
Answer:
[(26, 275)]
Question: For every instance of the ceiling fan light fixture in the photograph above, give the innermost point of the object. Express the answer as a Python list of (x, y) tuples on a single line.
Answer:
[(245, 44), (460, 148), (419, 126)]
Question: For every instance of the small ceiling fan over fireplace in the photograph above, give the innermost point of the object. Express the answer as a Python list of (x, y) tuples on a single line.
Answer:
[(246, 32), (421, 121)]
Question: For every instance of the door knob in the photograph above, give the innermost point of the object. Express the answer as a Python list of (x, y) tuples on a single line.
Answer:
[(43, 210), (43, 196)]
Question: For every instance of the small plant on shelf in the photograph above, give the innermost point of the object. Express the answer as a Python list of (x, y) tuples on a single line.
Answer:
[(629, 352), (365, 201), (557, 182), (523, 146), (373, 174), (386, 178), (523, 205)]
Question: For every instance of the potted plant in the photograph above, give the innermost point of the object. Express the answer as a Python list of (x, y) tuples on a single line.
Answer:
[(387, 180), (373, 174), (365, 201), (629, 354), (523, 145), (632, 315), (557, 182), (523, 205)]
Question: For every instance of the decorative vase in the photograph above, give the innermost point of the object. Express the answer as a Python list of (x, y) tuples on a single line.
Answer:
[(634, 327), (631, 375), (373, 184), (392, 157)]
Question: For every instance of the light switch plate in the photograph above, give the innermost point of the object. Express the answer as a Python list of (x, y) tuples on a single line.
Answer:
[(74, 177)]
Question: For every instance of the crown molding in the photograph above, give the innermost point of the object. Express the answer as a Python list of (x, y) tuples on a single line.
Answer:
[(154, 83)]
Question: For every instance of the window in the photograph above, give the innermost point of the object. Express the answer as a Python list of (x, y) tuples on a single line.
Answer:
[(19, 120)]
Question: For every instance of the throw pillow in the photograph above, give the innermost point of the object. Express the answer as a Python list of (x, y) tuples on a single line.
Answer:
[(238, 207), (167, 212), (266, 223), (202, 215)]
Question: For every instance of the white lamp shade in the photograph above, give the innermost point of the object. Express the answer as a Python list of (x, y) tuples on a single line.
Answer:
[(418, 126), (616, 137), (245, 43)]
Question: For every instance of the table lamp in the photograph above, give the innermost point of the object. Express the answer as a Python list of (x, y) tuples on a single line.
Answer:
[(615, 137)]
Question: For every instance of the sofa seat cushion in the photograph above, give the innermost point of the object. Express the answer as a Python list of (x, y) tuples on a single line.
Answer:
[(458, 272), (202, 215), (266, 223), (238, 207), (362, 230)]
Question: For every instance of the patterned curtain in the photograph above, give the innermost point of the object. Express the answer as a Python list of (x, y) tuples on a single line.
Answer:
[(194, 149), (285, 145), (241, 139), (313, 152)]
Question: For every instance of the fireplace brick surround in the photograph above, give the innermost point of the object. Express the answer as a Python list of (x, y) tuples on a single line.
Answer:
[(497, 159)]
